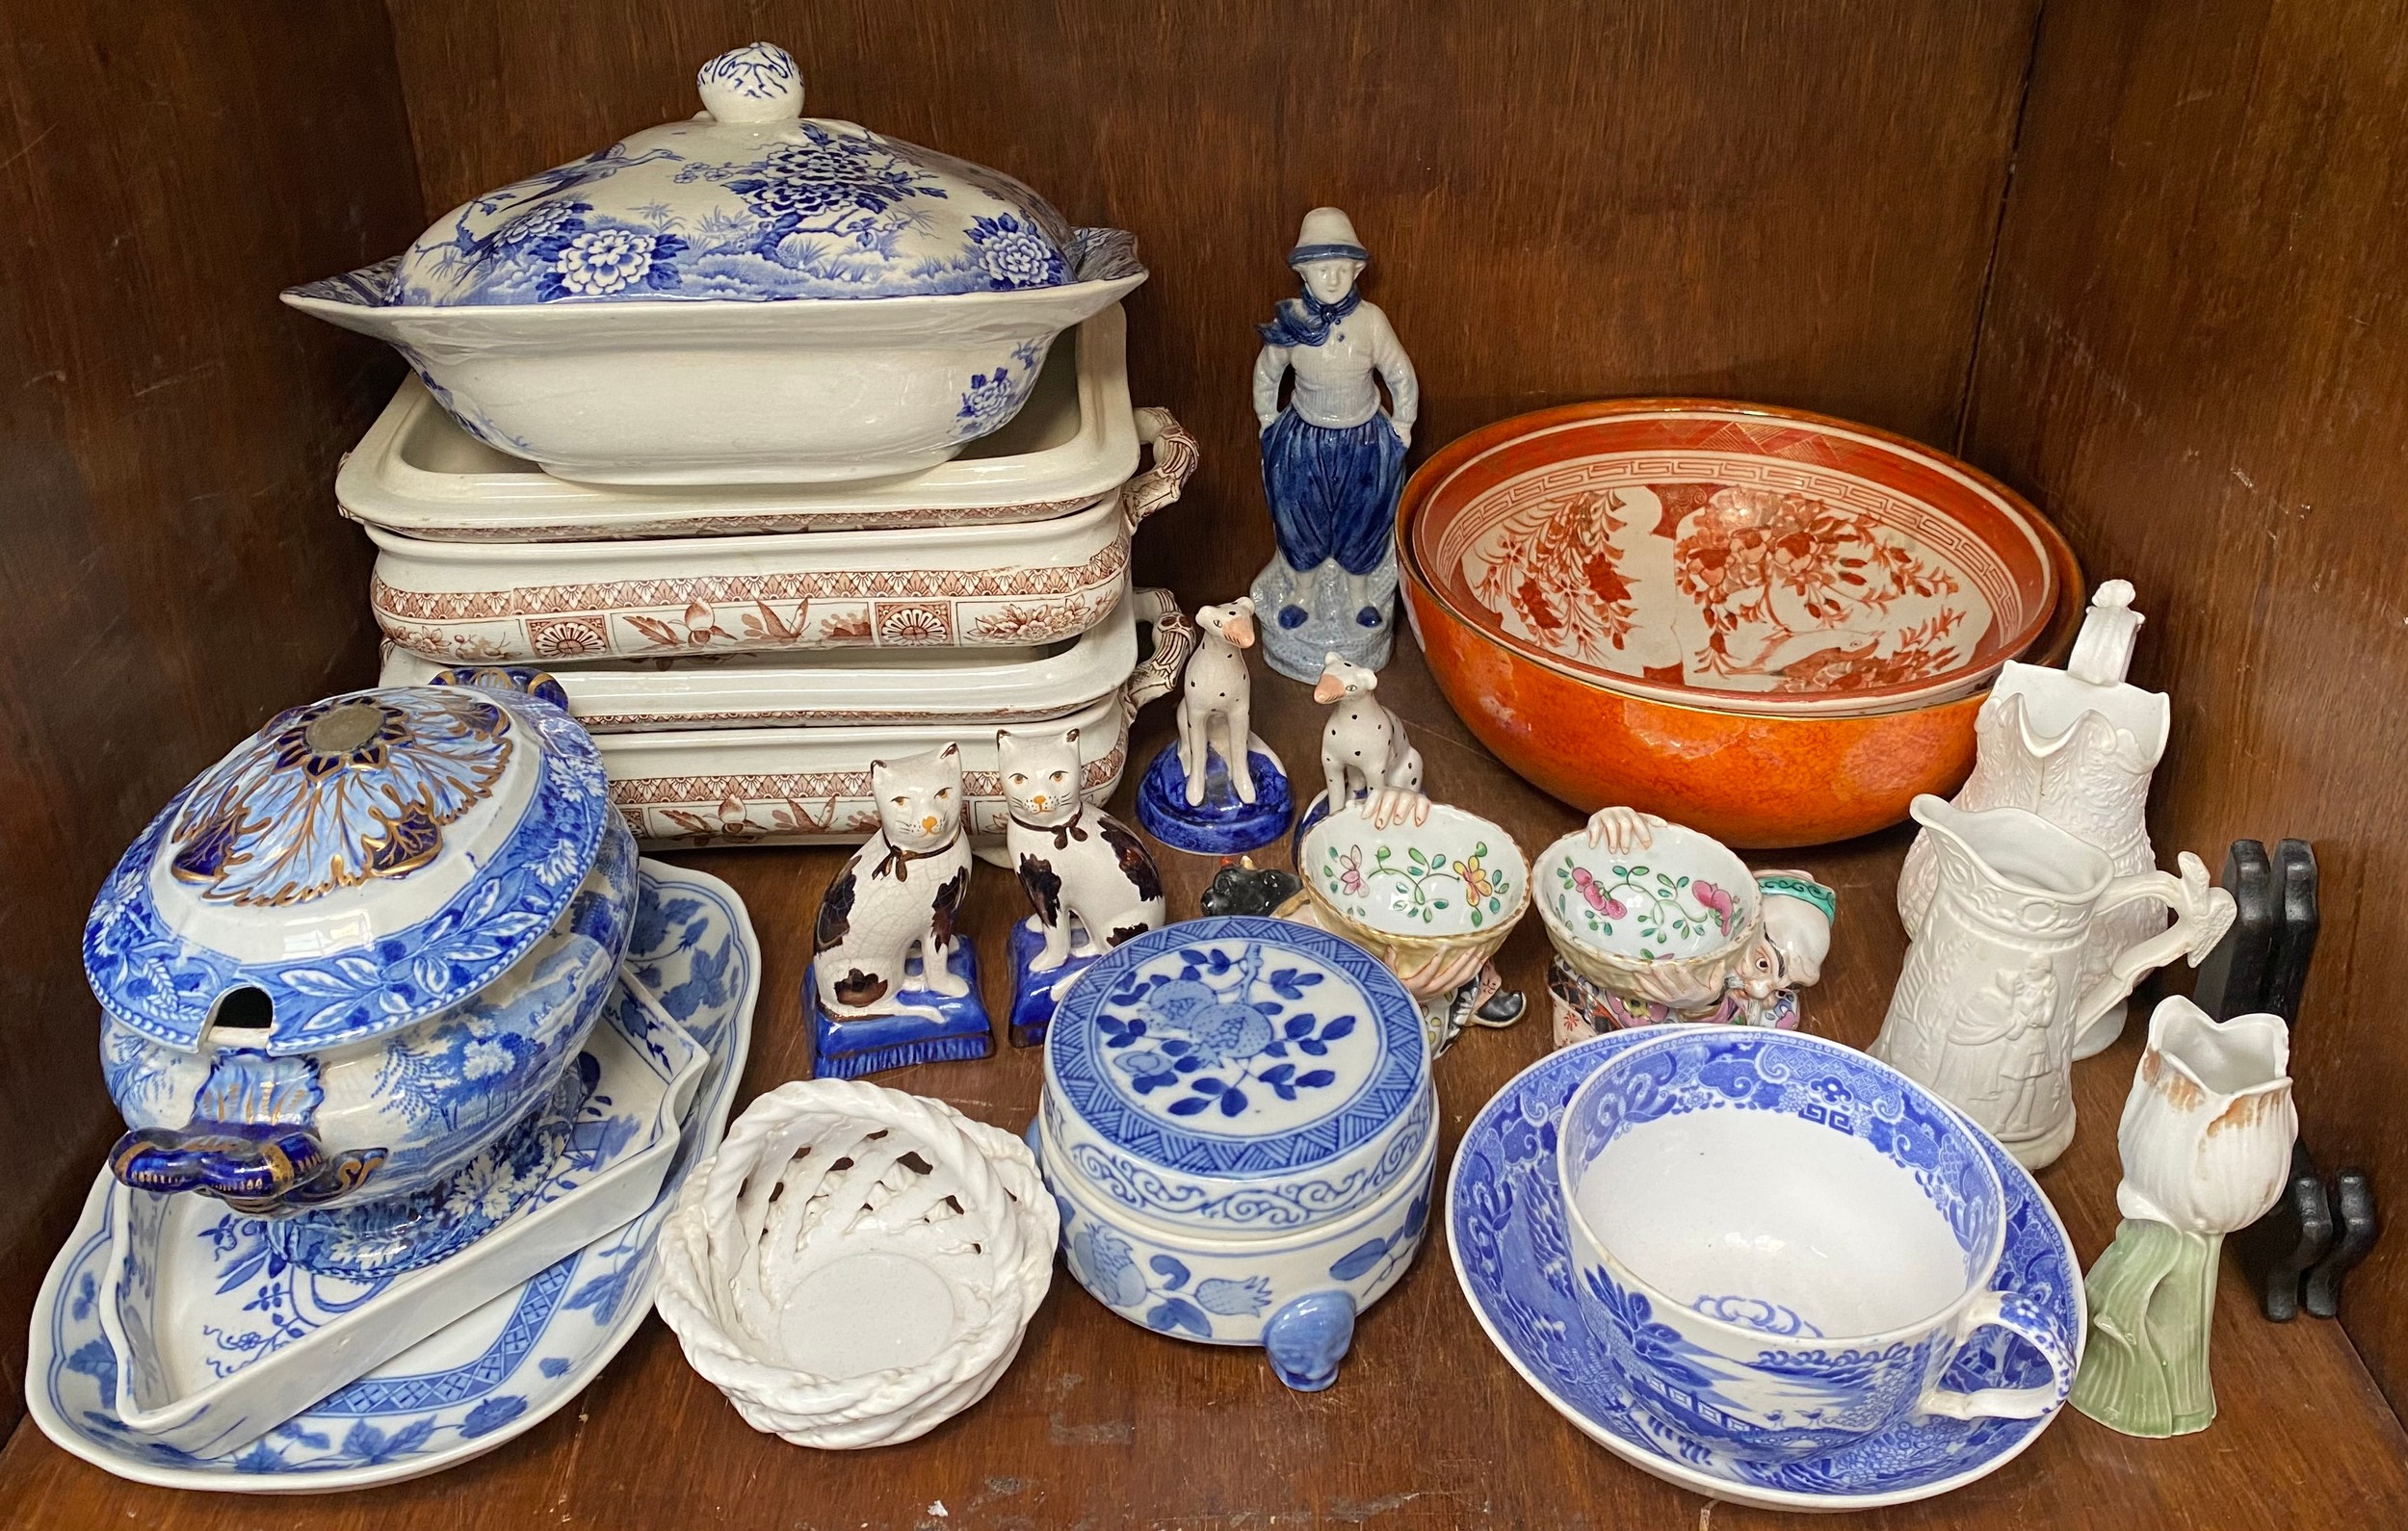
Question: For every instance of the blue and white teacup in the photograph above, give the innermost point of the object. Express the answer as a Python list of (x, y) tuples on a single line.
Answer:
[(1783, 1243)]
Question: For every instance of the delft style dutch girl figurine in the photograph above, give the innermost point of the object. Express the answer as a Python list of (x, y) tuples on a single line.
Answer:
[(1333, 460)]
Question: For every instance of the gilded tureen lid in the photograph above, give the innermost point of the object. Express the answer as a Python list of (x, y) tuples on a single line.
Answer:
[(751, 200), (1235, 1049), (360, 863)]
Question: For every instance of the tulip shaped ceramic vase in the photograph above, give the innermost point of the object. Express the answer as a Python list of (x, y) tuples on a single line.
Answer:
[(2205, 1139), (1219, 791), (1333, 459)]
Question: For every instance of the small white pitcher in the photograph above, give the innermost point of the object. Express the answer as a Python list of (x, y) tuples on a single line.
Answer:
[(1991, 999), (2077, 746)]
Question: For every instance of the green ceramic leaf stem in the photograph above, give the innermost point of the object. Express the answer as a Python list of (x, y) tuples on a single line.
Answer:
[(2152, 1299)]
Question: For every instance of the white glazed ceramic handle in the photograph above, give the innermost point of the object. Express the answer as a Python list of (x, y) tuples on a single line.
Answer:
[(2018, 1316), (2202, 914), (1174, 463), (757, 84), (1174, 640)]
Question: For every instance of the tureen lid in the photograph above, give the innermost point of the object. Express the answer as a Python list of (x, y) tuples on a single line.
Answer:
[(753, 201), (360, 863), (1237, 1047)]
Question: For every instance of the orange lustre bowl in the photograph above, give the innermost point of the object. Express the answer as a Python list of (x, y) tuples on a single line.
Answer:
[(1756, 781), (1736, 556)]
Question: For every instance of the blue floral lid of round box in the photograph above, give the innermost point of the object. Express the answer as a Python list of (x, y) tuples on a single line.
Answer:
[(363, 862), (753, 201), (1252, 1075)]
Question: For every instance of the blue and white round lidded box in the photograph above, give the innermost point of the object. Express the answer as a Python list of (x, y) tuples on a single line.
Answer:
[(1239, 1125), (360, 949)]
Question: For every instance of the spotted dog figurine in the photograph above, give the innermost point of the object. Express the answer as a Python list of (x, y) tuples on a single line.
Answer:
[(1364, 748), (1218, 689)]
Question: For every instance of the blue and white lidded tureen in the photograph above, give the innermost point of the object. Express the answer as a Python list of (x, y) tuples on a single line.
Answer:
[(357, 950), (1239, 1125), (750, 199), (749, 296)]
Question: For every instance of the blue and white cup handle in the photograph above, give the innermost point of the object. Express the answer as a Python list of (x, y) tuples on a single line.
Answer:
[(2022, 1318)]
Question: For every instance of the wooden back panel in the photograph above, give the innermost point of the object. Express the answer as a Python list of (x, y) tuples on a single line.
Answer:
[(172, 571), (1785, 202), (2193, 358)]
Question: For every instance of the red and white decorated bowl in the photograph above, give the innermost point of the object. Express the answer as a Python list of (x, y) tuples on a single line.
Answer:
[(1738, 557)]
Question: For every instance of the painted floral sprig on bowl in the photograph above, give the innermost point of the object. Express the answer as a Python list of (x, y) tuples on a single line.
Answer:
[(1663, 909), (1419, 879), (1217, 1036)]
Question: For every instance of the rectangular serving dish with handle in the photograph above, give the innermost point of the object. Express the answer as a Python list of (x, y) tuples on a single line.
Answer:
[(841, 688), (979, 586), (219, 1338), (417, 474)]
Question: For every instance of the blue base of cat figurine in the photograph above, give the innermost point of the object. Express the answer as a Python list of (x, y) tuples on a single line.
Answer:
[(1032, 993), (847, 1050), (1220, 825)]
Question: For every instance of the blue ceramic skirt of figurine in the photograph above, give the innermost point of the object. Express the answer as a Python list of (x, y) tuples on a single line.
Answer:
[(1333, 493)]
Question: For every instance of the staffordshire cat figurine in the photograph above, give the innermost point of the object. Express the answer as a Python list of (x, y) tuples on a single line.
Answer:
[(1077, 863), (902, 889)]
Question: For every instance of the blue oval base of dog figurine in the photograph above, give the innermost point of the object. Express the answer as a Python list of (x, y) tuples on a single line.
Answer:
[(1222, 824)]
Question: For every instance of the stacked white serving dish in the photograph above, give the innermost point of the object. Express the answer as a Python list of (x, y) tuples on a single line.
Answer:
[(792, 445), (742, 654)]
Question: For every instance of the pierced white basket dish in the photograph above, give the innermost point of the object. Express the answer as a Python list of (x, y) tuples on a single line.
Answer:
[(857, 1266)]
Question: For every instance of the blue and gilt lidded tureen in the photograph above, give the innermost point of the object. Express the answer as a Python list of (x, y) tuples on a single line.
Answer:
[(750, 199), (361, 947)]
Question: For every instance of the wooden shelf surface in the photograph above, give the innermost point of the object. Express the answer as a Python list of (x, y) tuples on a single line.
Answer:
[(1102, 1423)]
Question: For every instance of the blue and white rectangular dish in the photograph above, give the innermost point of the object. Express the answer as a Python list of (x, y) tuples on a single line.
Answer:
[(489, 1375), (221, 1333)]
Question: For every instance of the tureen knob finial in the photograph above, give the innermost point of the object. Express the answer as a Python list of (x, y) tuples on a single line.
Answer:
[(759, 82)]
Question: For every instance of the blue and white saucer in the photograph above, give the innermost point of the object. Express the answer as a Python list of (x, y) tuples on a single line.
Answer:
[(1505, 1230), (488, 1377)]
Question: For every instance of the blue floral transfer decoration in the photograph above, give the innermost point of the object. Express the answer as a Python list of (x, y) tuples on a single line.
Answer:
[(281, 821), (562, 1327), (1236, 1047), (1506, 1227), (752, 202), (1286, 1203), (993, 398)]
